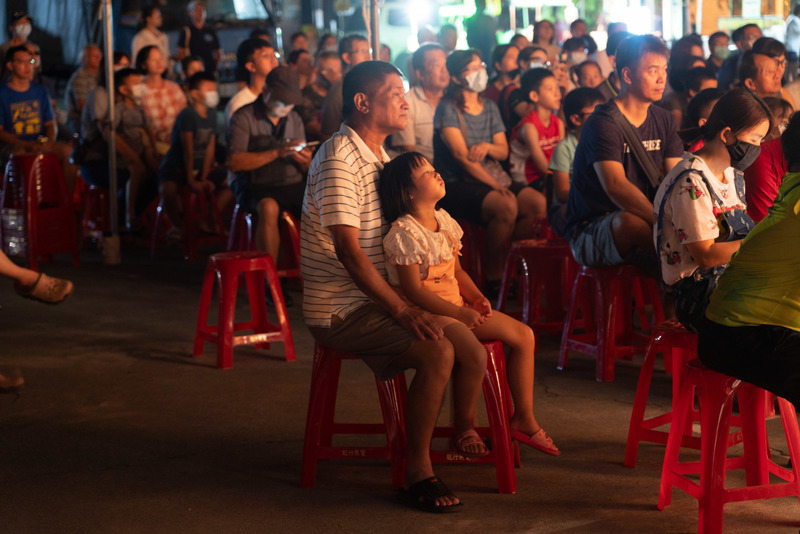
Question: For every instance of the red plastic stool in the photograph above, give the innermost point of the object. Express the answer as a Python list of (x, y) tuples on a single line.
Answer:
[(226, 267), (96, 217), (541, 267), (241, 237), (473, 245), (679, 347), (607, 323), (195, 207), (504, 453), (716, 392), (321, 425), (38, 218)]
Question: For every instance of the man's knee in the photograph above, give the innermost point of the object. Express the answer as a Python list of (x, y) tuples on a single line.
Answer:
[(268, 211), (627, 223), (499, 207), (432, 357)]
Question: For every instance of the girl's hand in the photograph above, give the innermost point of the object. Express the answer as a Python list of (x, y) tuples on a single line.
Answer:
[(470, 317), (483, 306), (478, 152)]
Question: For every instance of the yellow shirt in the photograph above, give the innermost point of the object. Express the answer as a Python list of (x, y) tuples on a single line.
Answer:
[(762, 282)]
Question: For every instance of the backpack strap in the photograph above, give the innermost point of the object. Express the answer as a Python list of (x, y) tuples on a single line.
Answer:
[(634, 144)]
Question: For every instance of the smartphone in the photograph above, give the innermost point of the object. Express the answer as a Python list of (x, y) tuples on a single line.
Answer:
[(301, 146)]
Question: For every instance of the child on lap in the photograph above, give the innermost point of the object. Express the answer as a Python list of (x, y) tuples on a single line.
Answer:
[(422, 249)]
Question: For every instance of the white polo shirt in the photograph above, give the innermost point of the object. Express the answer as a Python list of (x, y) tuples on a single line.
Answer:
[(342, 189), (419, 130)]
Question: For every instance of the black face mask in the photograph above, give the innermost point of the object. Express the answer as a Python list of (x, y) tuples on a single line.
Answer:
[(743, 154)]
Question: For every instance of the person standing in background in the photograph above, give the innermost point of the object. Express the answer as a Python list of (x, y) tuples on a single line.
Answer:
[(198, 38)]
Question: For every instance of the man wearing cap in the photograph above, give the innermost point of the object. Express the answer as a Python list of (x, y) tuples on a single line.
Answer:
[(19, 28), (266, 158)]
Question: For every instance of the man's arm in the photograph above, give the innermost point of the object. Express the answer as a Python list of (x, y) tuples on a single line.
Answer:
[(369, 280), (621, 191), (14, 141)]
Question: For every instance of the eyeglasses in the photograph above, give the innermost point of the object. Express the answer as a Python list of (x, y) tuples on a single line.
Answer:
[(31, 61)]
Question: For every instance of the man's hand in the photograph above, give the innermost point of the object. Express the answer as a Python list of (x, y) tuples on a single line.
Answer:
[(420, 322), (288, 147), (302, 158)]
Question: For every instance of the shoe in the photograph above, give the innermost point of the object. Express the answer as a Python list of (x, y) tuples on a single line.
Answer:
[(46, 289), (469, 438), (422, 495), (537, 440)]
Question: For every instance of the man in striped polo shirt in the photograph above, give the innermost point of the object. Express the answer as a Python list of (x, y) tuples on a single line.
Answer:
[(347, 303)]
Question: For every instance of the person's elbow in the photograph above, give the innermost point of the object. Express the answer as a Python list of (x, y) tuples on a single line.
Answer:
[(235, 163)]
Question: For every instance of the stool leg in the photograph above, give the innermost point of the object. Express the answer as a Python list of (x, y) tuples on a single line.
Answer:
[(508, 276), (525, 288), (157, 228), (321, 385), (640, 403), (498, 421), (563, 353), (258, 303), (680, 410), (228, 284), (392, 395), (790, 428), (202, 314), (280, 310), (756, 451), (606, 310)]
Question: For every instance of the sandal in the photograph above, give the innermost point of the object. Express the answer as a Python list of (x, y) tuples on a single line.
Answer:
[(467, 439), (422, 495), (537, 440), (45, 289)]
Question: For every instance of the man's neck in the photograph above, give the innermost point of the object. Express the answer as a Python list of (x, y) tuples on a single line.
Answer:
[(373, 139), (201, 109), (19, 84), (634, 108), (198, 26), (257, 83), (433, 95), (93, 72), (716, 61)]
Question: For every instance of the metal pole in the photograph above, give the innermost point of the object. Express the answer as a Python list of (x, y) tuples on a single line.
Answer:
[(110, 244), (375, 23)]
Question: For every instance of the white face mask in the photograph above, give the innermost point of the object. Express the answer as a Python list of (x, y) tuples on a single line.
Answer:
[(137, 93), (281, 110), (211, 99), (476, 81), (576, 58), (22, 30), (539, 64)]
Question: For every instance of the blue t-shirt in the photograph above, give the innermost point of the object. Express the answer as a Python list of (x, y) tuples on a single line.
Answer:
[(189, 120), (602, 140), (24, 114)]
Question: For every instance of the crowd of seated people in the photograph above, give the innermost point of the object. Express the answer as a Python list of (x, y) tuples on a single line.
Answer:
[(546, 136)]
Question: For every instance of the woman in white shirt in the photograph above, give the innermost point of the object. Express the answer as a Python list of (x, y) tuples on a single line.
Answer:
[(699, 208), (151, 35)]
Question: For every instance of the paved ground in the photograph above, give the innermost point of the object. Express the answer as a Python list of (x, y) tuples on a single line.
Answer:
[(120, 430)]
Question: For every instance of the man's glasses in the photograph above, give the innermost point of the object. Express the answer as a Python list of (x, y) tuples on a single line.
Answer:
[(31, 61)]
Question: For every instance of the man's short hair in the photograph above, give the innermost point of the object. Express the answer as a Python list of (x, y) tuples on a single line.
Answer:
[(738, 33), (294, 56), (769, 47), (573, 43), (575, 23), (295, 35), (715, 37), (123, 74), (12, 52), (577, 99), (199, 77), (612, 27), (614, 40), (365, 78), (631, 51), (327, 54), (244, 54), (418, 58), (190, 6), (346, 44), (748, 67), (696, 76), (185, 62), (790, 140)]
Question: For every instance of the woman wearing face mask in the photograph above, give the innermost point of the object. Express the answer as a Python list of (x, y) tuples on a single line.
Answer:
[(163, 99), (19, 28), (700, 207), (469, 143)]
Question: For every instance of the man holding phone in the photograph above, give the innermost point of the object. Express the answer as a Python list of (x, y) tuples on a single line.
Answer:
[(269, 156)]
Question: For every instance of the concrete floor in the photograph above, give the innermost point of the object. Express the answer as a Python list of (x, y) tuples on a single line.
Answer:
[(119, 429)]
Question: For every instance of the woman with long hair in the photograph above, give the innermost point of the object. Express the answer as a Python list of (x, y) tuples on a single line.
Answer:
[(163, 99)]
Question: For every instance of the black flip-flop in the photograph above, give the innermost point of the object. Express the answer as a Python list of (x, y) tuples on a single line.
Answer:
[(422, 495)]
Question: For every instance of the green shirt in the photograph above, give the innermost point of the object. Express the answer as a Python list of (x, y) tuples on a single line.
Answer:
[(762, 282)]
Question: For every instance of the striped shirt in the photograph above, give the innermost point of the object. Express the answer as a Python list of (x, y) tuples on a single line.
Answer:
[(341, 190)]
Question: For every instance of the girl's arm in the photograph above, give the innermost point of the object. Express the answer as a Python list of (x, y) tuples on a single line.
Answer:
[(537, 154), (471, 293), (430, 301), (711, 254)]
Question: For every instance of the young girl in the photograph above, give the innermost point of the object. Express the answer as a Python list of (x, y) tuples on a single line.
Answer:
[(422, 251), (537, 134), (699, 207)]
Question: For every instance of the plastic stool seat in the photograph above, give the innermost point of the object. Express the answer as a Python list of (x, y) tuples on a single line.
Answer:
[(225, 268), (541, 267), (607, 322), (679, 347), (716, 392), (320, 424)]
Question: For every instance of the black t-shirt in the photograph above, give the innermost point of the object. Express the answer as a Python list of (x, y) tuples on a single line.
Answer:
[(602, 140), (203, 42)]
